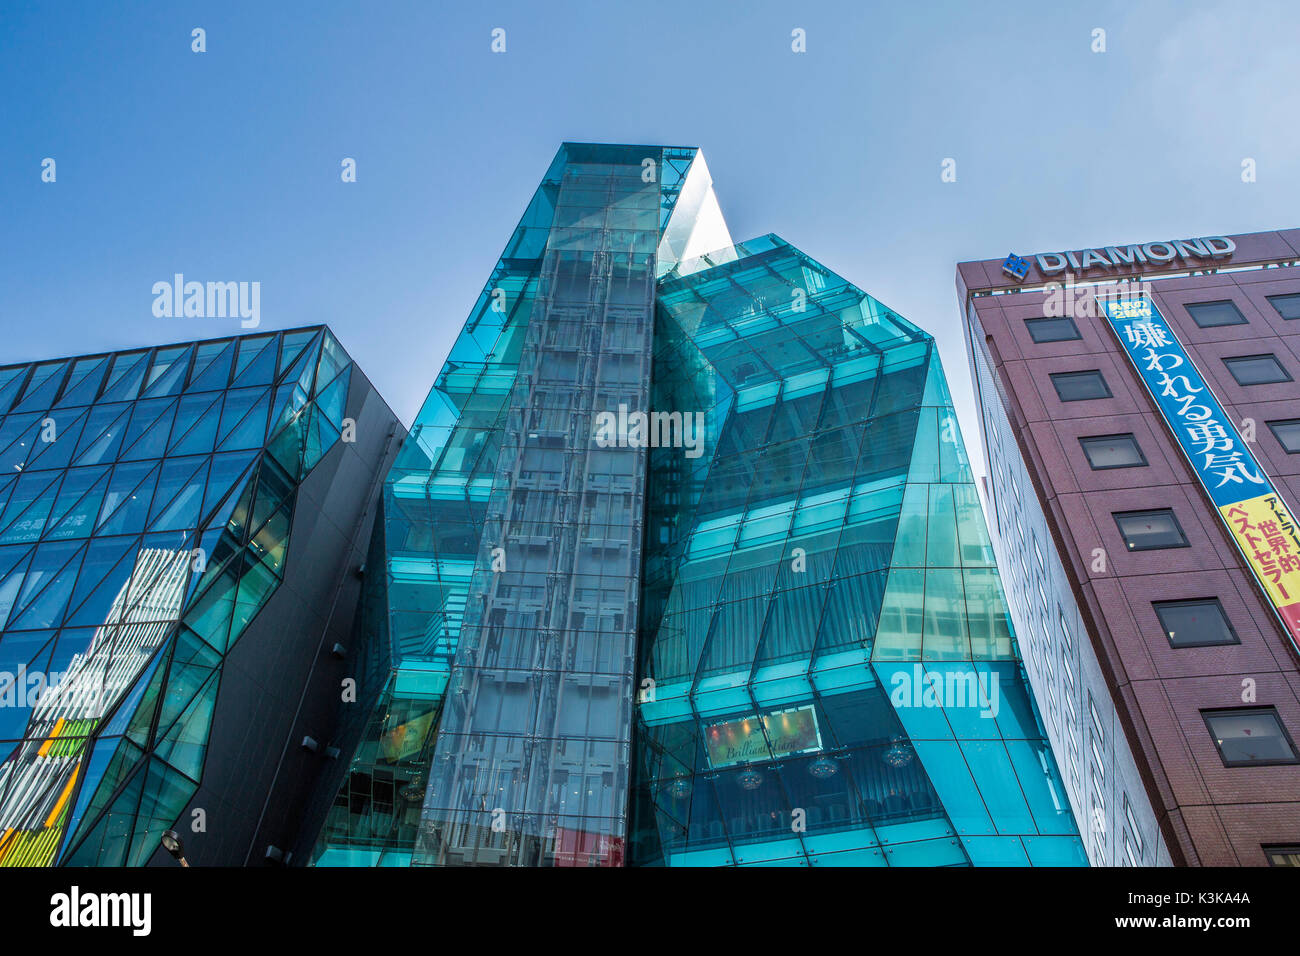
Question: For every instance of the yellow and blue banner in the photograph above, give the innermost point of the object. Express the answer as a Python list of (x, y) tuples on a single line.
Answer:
[(1261, 524)]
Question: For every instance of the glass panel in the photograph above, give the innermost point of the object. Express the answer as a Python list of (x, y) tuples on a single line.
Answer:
[(1208, 315), (1112, 451), (1080, 386), (83, 383), (1148, 530), (1195, 623), (42, 387), (1256, 369), (1288, 306), (1287, 434), (1045, 330), (1247, 736)]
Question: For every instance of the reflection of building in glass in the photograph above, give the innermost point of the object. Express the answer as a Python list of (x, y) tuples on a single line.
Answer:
[(788, 645), (152, 505), (36, 783)]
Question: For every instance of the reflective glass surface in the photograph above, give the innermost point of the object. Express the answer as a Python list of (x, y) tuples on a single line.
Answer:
[(684, 555), (144, 520)]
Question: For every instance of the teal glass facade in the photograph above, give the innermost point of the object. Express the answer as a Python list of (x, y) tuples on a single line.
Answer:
[(828, 671), (682, 563), (146, 503)]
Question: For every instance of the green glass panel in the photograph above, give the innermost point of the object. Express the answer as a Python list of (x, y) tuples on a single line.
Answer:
[(162, 799), (184, 744), (108, 837), (209, 614), (332, 400), (256, 584), (293, 344)]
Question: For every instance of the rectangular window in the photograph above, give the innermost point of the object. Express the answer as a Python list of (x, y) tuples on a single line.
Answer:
[(1150, 530), (1096, 719), (1283, 855), (1287, 434), (1129, 856), (1060, 329), (1199, 623), (1067, 670), (1112, 451), (1098, 789), (1132, 823), (1257, 369), (1288, 306), (1080, 386), (1249, 736), (1208, 315), (1065, 630)]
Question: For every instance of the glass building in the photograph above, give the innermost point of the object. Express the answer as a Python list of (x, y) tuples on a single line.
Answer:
[(177, 525), (682, 563)]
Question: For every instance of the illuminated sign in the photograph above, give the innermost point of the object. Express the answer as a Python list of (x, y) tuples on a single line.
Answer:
[(406, 739), (1147, 253), (747, 740), (1259, 521)]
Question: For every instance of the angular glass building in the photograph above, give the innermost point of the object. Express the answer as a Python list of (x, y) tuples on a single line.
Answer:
[(682, 563), (178, 542)]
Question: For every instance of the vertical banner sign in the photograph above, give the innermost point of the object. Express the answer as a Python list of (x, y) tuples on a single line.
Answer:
[(1258, 520)]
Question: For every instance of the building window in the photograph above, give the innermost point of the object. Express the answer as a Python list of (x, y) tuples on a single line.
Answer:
[(1132, 824), (1129, 856), (1150, 530), (1112, 451), (1287, 434), (1208, 315), (1257, 369), (1249, 736), (1096, 719), (1060, 329), (1080, 386), (1200, 623), (1283, 855), (1288, 306), (1065, 630)]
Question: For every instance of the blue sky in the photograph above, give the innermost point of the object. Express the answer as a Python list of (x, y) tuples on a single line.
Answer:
[(225, 165)]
